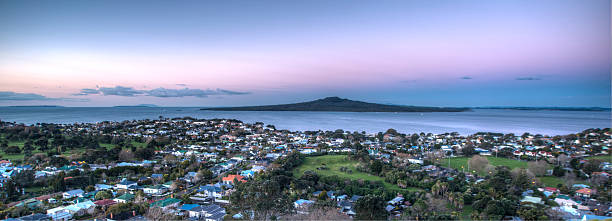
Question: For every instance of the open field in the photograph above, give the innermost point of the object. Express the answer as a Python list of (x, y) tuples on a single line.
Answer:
[(551, 181), (605, 158), (458, 162), (333, 163)]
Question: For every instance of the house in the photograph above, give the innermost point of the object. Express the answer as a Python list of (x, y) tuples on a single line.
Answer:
[(157, 176), (594, 217), (124, 185), (124, 198), (211, 191), (166, 203), (211, 212), (247, 173), (396, 201), (35, 216), (155, 190), (105, 203), (189, 208), (302, 204), (229, 179), (531, 199), (354, 198), (585, 192), (81, 208), (73, 193), (103, 187), (59, 214), (346, 207)]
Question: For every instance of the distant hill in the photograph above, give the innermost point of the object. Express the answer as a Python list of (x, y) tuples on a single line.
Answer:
[(36, 106), (336, 104), (549, 108)]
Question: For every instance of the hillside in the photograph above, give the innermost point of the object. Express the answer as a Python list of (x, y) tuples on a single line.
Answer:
[(337, 104)]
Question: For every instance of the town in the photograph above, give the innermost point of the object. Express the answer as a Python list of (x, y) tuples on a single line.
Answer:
[(223, 169)]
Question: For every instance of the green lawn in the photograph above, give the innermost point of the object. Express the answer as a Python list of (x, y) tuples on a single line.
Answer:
[(458, 162), (333, 163), (606, 158), (551, 181)]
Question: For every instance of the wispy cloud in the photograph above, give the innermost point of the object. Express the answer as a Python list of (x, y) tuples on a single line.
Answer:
[(466, 78), (528, 79), (14, 96), (157, 92), (181, 85)]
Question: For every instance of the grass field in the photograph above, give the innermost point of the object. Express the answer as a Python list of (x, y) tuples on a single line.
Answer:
[(551, 181), (458, 162), (606, 158), (333, 163)]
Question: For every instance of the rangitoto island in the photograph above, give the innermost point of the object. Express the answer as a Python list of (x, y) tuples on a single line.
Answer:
[(336, 104)]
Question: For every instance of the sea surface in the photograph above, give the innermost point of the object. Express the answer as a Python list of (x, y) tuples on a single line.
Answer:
[(544, 122)]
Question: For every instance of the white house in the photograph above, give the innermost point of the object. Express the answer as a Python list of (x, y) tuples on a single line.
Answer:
[(155, 190), (124, 185), (73, 193), (59, 214)]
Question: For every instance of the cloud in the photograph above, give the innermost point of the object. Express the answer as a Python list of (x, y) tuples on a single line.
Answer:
[(228, 92), (466, 78), (13, 96), (87, 91), (120, 91), (528, 79), (182, 85), (157, 92)]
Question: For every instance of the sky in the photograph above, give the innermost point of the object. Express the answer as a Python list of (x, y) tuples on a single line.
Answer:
[(234, 53)]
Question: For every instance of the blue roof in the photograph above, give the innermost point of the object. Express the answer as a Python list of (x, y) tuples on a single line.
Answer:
[(210, 188), (188, 206), (303, 201), (592, 217)]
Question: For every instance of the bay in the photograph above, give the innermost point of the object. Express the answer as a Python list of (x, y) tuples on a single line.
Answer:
[(478, 120)]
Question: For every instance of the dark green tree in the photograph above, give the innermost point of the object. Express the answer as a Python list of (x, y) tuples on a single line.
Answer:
[(370, 207)]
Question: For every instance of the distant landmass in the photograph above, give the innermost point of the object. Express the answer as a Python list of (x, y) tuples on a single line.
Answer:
[(549, 108), (36, 106), (336, 104), (140, 105)]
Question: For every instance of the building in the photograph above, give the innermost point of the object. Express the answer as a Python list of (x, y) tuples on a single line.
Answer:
[(124, 185), (229, 179), (73, 193), (124, 198)]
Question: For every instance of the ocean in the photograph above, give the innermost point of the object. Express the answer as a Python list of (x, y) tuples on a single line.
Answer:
[(544, 122)]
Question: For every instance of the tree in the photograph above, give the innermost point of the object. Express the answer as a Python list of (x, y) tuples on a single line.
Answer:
[(468, 150), (370, 207), (376, 167), (103, 195), (532, 213), (478, 163), (264, 197), (538, 168), (126, 155), (558, 171), (24, 178), (12, 150), (522, 178)]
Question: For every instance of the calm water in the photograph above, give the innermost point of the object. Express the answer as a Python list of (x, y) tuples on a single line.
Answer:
[(505, 121)]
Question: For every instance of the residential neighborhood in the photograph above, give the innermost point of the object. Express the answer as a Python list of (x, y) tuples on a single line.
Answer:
[(221, 169)]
